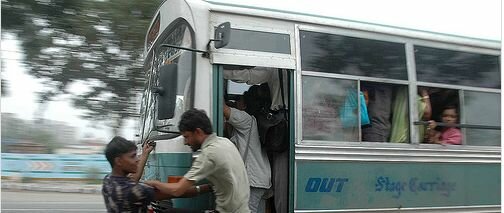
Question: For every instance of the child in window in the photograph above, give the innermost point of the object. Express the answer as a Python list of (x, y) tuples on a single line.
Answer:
[(448, 134)]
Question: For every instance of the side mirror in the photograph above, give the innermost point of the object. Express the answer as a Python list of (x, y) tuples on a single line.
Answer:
[(222, 35), (167, 91)]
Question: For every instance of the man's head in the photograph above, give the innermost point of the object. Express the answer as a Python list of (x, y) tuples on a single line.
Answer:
[(121, 154), (195, 126), (256, 98)]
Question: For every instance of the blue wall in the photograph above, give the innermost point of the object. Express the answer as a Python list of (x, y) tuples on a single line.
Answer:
[(69, 166)]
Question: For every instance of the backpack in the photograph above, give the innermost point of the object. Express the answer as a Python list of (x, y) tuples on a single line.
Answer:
[(273, 130), (273, 126)]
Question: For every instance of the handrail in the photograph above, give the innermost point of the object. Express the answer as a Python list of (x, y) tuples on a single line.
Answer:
[(468, 126)]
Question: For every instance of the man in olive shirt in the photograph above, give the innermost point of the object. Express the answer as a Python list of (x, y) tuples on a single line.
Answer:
[(219, 162)]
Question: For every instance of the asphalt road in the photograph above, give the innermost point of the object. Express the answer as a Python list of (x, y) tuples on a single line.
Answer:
[(30, 201)]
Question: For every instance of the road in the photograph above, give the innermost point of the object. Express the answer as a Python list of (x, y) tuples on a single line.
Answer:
[(31, 201)]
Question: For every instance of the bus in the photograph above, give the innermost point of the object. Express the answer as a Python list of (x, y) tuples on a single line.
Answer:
[(338, 73)]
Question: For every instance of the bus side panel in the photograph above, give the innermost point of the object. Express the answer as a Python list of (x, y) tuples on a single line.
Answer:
[(336, 185), (173, 158)]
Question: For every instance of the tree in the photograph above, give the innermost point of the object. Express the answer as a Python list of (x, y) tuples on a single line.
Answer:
[(98, 43)]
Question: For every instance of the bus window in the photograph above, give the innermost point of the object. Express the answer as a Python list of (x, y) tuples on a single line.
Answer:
[(482, 108), (259, 41), (321, 52), (323, 106), (399, 113), (147, 105), (439, 99), (457, 68), (387, 107)]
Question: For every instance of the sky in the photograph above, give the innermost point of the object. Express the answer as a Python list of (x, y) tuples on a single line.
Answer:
[(471, 18)]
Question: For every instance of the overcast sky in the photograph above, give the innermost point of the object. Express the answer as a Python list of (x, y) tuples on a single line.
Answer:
[(472, 18)]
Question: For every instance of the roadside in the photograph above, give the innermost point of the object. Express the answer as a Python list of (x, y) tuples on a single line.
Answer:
[(53, 186), (51, 202)]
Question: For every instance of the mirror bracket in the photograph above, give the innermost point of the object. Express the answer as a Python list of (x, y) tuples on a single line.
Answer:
[(221, 39), (222, 35)]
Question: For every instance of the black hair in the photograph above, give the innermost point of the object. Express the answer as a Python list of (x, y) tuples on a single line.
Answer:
[(450, 107), (193, 119), (257, 98), (117, 147)]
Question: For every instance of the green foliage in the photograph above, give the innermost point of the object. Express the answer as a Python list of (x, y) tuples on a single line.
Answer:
[(96, 42)]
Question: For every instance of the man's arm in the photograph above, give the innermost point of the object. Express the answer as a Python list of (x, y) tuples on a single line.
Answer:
[(191, 192), (227, 111), (427, 110), (183, 188), (147, 148)]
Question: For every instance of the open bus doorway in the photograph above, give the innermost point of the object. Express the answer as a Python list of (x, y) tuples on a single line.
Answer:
[(246, 88)]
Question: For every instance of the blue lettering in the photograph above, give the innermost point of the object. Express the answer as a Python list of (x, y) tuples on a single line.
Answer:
[(380, 184), (412, 184), (446, 188), (313, 184), (325, 187), (431, 185), (422, 186), (340, 181), (325, 184), (385, 184)]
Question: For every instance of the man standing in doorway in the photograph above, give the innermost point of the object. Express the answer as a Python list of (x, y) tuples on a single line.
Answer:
[(246, 138)]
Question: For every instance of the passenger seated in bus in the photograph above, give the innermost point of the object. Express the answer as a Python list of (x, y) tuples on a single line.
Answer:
[(447, 134), (245, 136), (400, 117), (280, 160), (379, 111)]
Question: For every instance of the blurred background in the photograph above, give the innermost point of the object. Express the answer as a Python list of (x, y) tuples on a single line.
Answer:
[(71, 80)]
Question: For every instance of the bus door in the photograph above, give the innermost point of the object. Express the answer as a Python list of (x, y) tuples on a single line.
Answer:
[(266, 94)]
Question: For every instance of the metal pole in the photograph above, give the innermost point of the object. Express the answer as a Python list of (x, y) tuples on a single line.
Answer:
[(469, 126)]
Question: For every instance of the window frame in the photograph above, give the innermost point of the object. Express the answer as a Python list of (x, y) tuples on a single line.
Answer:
[(153, 57), (411, 82), (352, 36), (454, 51)]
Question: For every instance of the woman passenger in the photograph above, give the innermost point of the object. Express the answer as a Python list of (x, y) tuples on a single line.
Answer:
[(448, 134)]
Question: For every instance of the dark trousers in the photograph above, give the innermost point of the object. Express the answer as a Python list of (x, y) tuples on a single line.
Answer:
[(280, 178)]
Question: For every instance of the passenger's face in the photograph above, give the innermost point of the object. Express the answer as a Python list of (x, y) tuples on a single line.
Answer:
[(128, 162), (449, 116), (191, 139)]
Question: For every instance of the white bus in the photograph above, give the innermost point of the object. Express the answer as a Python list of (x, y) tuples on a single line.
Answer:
[(338, 161)]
